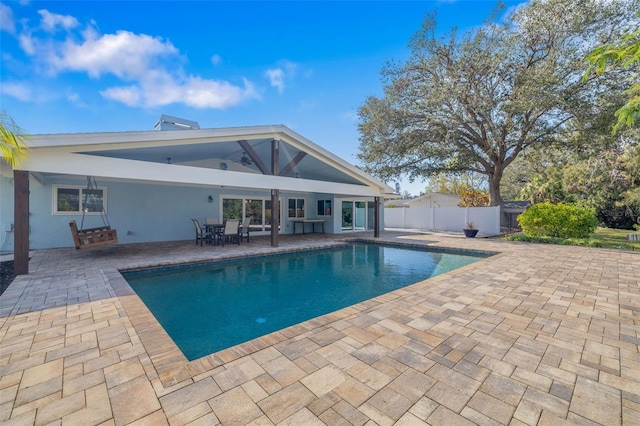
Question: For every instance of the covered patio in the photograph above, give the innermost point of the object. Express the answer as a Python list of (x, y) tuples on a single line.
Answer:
[(533, 335), (150, 184)]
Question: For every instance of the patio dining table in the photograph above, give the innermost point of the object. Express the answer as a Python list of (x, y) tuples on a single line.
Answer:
[(214, 229)]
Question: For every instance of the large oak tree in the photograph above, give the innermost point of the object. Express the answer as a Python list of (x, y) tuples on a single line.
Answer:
[(473, 103), (621, 53)]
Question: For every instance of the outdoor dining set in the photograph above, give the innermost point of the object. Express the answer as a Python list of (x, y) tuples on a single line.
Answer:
[(218, 233)]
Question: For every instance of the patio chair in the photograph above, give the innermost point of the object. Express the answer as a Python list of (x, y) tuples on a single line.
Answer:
[(230, 232), (211, 220), (201, 235), (244, 232)]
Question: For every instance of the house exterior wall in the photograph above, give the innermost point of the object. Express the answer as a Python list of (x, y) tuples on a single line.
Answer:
[(143, 212), (139, 212), (311, 212), (149, 199)]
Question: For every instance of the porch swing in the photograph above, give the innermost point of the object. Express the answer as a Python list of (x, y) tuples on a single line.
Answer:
[(92, 237)]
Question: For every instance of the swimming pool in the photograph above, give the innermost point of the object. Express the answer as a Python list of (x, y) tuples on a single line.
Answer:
[(207, 308)]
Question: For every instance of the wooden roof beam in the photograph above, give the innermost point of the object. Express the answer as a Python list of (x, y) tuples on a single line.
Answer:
[(254, 157), (294, 162)]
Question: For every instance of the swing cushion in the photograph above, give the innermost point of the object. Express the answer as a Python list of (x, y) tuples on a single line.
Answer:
[(92, 237)]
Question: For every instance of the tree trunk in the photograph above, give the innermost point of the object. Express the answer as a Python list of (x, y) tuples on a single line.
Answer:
[(495, 199)]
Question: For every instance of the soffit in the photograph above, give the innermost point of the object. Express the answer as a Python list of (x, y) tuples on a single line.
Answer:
[(209, 148), (229, 155)]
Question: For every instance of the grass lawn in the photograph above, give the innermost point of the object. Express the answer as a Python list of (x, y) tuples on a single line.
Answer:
[(603, 237), (615, 238)]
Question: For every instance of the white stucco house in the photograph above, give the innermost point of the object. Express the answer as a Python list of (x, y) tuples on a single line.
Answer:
[(151, 183)]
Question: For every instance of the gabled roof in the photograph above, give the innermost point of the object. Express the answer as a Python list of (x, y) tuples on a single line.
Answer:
[(208, 157), (397, 202), (435, 194)]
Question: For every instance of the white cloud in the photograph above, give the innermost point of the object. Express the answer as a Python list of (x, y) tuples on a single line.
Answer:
[(276, 78), (216, 59), (150, 69), (7, 23), (74, 98), (130, 95), (201, 93), (281, 76), (124, 54), (20, 91), (51, 21), (27, 43), (193, 91), (290, 67)]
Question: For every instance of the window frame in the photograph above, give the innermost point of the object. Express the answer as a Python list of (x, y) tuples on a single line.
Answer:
[(265, 227), (297, 208), (80, 189), (322, 210)]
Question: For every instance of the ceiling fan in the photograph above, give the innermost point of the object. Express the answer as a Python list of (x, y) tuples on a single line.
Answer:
[(244, 160)]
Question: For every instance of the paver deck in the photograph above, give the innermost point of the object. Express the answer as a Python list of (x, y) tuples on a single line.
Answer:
[(537, 334)]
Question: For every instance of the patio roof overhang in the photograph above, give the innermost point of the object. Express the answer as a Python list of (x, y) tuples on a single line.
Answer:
[(195, 158)]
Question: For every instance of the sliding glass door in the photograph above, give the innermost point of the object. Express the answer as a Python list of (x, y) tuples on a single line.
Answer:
[(360, 215), (258, 209), (347, 215), (231, 209), (354, 215), (255, 210)]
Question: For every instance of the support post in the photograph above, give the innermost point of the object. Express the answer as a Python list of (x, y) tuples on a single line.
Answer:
[(275, 217), (275, 194), (21, 222), (376, 213)]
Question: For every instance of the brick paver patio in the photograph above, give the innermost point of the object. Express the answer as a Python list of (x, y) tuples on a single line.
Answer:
[(537, 334)]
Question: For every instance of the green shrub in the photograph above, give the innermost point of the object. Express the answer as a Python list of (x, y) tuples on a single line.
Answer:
[(518, 237), (558, 220)]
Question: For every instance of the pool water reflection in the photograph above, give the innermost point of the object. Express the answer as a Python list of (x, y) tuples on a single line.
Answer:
[(211, 307)]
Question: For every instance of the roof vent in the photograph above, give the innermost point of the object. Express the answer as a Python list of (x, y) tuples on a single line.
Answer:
[(168, 122)]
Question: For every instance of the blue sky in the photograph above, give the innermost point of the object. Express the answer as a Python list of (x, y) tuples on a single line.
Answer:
[(97, 66)]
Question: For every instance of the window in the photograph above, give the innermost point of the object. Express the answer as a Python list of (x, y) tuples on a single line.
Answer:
[(296, 207), (231, 209), (73, 200), (347, 215), (324, 207)]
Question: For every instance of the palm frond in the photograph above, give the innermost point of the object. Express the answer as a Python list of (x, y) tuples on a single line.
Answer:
[(13, 142)]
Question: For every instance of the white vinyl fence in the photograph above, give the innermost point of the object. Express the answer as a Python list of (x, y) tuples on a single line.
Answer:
[(455, 219)]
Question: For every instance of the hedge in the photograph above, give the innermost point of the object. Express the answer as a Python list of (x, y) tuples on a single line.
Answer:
[(558, 220)]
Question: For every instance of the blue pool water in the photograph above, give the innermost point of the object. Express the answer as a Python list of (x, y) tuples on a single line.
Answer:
[(211, 307)]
